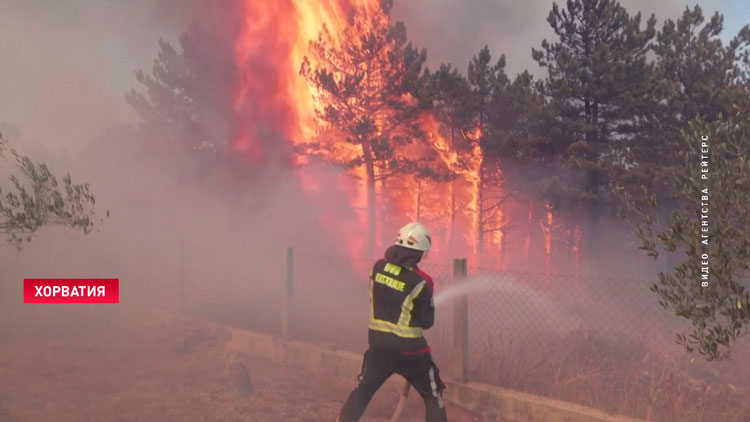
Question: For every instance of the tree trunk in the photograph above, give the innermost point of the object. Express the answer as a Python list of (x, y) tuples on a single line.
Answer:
[(529, 235), (587, 122), (370, 170), (504, 247), (570, 232), (452, 235), (595, 121), (571, 222), (419, 199), (594, 239), (480, 209)]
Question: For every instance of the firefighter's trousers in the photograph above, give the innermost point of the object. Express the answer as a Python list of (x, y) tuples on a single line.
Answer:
[(379, 364)]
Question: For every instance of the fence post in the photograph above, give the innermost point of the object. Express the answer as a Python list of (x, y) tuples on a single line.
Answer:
[(181, 281), (459, 363), (286, 306)]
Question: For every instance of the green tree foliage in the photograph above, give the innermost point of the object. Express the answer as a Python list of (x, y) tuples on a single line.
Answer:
[(367, 81), (517, 142), (697, 72), (450, 100), (487, 83), (720, 311), (598, 87), (599, 90), (187, 98), (36, 199), (449, 97), (517, 137), (741, 46), (696, 75), (504, 119), (517, 120)]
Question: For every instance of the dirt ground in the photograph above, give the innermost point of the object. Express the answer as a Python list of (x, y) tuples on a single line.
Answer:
[(77, 363)]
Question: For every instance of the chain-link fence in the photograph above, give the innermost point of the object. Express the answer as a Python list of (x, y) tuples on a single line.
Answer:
[(601, 342)]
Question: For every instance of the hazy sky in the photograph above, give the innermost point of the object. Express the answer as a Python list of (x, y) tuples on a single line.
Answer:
[(514, 27), (67, 64)]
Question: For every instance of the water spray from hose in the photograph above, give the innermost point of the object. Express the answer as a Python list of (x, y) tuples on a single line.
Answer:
[(470, 285)]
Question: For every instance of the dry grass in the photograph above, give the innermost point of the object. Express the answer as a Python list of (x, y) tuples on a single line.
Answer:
[(615, 376), (119, 364), (122, 369), (621, 373)]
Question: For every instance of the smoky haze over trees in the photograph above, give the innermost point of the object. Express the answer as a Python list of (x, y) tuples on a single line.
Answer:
[(519, 137), (366, 80), (596, 87), (615, 93), (606, 117)]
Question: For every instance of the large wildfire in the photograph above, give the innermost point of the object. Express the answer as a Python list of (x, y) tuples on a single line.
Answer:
[(272, 97)]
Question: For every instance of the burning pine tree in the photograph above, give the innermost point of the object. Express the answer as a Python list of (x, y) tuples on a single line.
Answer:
[(257, 90), (367, 82)]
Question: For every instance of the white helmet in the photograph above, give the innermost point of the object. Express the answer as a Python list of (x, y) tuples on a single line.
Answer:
[(414, 236)]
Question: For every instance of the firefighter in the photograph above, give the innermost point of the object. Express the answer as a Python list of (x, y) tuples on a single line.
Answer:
[(401, 308)]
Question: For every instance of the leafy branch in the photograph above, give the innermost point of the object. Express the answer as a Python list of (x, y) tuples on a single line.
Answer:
[(710, 286), (37, 199)]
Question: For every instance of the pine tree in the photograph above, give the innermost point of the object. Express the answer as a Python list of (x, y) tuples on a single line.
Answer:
[(697, 72), (702, 115), (696, 75), (518, 116), (741, 46), (599, 88), (188, 98), (450, 97), (366, 81), (486, 81)]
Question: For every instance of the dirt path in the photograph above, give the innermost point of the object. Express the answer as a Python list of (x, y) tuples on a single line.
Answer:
[(82, 365)]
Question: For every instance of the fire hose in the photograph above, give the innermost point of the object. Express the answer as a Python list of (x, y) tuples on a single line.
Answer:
[(401, 402), (405, 390), (441, 297)]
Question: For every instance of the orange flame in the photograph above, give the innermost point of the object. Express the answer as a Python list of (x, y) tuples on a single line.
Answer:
[(272, 97), (276, 104)]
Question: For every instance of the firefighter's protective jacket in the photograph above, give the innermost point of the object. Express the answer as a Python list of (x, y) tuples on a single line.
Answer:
[(401, 304)]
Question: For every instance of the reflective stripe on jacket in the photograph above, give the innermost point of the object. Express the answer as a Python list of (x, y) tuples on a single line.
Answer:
[(400, 307)]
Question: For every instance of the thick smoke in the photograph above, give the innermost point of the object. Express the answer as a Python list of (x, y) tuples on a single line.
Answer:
[(62, 102), (69, 64), (176, 216), (454, 31)]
